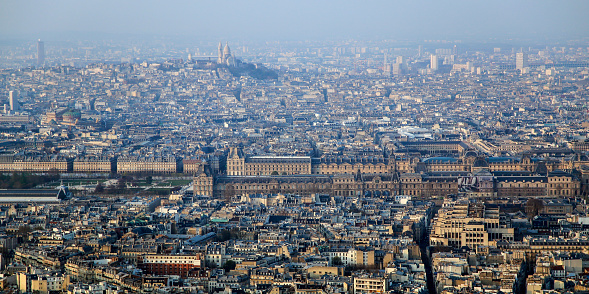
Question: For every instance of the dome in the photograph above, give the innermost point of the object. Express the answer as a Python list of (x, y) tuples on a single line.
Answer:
[(226, 50)]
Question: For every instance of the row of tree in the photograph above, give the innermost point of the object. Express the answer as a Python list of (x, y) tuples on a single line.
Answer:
[(25, 180)]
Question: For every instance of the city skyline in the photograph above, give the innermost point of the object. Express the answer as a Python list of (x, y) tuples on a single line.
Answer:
[(273, 147)]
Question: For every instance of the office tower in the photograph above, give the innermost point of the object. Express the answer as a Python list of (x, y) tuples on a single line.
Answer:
[(397, 69), (40, 53), (434, 62), (521, 60), (386, 67), (13, 101), (419, 50), (399, 66)]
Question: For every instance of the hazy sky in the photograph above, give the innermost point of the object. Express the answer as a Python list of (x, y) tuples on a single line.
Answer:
[(299, 19)]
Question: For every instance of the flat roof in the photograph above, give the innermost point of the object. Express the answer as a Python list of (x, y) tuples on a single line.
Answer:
[(25, 192), (23, 199)]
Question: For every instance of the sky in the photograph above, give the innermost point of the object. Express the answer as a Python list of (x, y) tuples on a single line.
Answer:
[(298, 19)]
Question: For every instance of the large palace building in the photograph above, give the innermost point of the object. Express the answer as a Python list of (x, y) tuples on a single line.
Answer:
[(397, 175)]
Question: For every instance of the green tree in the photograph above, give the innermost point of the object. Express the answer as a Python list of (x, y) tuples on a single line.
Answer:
[(336, 260), (23, 231), (224, 235), (99, 188), (121, 184), (229, 265), (533, 207)]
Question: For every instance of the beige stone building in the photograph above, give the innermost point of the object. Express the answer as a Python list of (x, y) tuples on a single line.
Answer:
[(468, 224), (370, 285), (146, 164), (192, 166), (239, 165), (93, 164), (351, 165), (36, 164)]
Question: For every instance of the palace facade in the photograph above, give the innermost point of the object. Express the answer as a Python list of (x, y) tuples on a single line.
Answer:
[(396, 175)]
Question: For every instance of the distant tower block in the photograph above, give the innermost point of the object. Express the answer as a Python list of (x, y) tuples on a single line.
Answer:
[(521, 60), (397, 69), (40, 53), (434, 64), (12, 99)]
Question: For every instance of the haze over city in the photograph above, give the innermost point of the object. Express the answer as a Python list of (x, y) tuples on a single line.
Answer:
[(294, 147), (298, 20)]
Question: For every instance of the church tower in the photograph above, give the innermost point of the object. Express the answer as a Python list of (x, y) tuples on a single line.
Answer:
[(220, 58)]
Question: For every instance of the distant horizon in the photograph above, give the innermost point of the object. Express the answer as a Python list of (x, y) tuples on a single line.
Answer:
[(259, 21), (182, 40)]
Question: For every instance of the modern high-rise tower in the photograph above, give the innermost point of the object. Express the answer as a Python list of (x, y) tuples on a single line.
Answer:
[(521, 60), (40, 53), (434, 64), (12, 99)]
